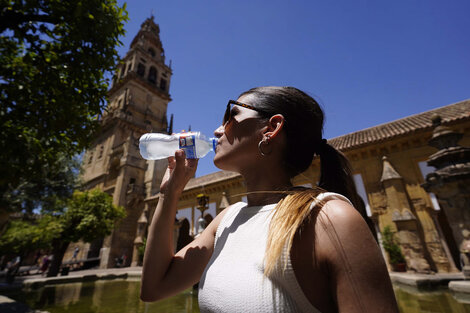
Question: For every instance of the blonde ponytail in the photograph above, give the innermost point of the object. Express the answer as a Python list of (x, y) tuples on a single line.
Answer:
[(288, 217)]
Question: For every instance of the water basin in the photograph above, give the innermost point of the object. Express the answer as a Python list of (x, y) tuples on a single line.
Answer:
[(115, 296), (103, 296), (412, 300)]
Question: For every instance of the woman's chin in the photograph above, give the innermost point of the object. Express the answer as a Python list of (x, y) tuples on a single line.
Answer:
[(221, 163), (218, 163)]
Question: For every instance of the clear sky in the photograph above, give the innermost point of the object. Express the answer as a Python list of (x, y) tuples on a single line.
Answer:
[(366, 62)]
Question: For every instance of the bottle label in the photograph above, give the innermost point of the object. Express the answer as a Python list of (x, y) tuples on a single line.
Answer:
[(188, 144)]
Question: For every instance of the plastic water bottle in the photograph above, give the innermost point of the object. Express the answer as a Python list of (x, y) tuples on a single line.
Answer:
[(155, 146)]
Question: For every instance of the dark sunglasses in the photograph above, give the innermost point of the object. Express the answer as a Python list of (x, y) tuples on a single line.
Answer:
[(231, 103)]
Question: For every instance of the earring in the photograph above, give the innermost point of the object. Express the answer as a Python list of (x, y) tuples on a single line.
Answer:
[(265, 142)]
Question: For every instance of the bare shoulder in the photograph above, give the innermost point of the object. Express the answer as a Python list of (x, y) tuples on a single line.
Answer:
[(216, 221), (341, 225), (341, 211), (212, 227), (358, 268), (344, 217)]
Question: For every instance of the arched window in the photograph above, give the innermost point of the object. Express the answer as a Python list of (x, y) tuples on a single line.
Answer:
[(152, 52), (101, 152), (153, 75), (141, 69), (163, 84), (90, 157)]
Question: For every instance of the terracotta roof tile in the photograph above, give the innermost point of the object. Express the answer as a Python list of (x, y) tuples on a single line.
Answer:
[(406, 125)]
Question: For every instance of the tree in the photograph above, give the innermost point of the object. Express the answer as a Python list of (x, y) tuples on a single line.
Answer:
[(45, 192), (56, 181), (86, 216), (89, 215), (55, 57), (23, 236)]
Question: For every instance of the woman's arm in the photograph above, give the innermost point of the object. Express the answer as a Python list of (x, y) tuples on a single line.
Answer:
[(165, 274), (359, 276)]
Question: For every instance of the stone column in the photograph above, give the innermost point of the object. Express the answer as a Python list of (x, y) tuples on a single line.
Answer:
[(450, 182), (139, 238), (203, 201)]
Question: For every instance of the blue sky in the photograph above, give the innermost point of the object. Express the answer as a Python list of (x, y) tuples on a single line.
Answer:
[(366, 62)]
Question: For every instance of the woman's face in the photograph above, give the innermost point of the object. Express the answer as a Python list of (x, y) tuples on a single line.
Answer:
[(238, 139)]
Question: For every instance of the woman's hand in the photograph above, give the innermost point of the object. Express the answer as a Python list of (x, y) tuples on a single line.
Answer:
[(180, 170)]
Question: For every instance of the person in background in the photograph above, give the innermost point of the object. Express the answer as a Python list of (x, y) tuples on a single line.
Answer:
[(75, 253), (12, 269), (289, 249), (44, 264)]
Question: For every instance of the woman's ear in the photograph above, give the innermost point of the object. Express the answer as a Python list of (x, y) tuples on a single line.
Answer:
[(275, 125)]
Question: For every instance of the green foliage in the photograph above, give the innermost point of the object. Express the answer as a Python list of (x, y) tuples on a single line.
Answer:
[(56, 182), (393, 249), (141, 249), (88, 215), (55, 60), (24, 236), (18, 238)]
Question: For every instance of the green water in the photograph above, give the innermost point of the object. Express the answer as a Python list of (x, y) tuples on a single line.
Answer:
[(118, 296), (411, 300), (103, 297)]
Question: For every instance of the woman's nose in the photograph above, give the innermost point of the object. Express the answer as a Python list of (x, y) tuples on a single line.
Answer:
[(219, 131)]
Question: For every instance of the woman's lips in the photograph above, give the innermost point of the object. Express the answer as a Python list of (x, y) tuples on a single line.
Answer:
[(217, 146)]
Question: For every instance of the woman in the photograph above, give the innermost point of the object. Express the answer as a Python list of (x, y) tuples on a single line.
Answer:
[(289, 249)]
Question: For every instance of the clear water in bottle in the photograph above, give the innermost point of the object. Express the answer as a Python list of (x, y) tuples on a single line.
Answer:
[(155, 146)]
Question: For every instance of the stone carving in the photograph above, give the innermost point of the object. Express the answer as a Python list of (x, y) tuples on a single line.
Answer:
[(396, 216), (413, 251), (406, 215), (465, 250), (465, 254), (436, 250)]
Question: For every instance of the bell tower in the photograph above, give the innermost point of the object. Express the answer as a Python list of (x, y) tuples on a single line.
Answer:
[(138, 101)]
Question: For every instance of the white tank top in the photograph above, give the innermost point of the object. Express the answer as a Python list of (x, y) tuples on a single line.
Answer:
[(234, 280)]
